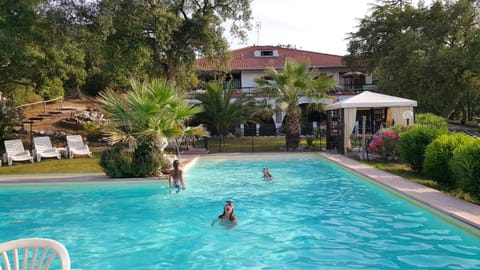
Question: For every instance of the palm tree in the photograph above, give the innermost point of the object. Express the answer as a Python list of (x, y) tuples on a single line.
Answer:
[(148, 116), (221, 109), (297, 80)]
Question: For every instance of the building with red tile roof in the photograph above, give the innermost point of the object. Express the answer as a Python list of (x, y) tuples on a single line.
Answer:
[(250, 63), (264, 57)]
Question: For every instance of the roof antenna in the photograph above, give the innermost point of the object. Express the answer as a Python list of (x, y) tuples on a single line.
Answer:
[(258, 26)]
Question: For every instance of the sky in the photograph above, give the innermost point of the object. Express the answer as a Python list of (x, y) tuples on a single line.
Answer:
[(312, 25)]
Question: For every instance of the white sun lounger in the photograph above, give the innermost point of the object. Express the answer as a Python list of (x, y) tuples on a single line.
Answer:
[(15, 152), (44, 148), (75, 146)]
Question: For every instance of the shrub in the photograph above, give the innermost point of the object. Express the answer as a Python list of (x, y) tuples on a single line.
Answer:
[(384, 143), (9, 118), (433, 121), (412, 144), (439, 153), (52, 88), (466, 167), (119, 161), (146, 159), (93, 130), (310, 141)]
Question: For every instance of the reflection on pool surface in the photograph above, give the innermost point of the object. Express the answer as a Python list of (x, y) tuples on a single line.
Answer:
[(313, 215)]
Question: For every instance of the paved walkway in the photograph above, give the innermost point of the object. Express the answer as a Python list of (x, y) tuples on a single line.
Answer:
[(453, 207)]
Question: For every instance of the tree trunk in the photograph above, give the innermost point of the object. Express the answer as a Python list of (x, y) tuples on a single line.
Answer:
[(292, 129)]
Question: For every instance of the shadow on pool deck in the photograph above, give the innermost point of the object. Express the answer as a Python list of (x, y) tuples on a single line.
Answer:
[(466, 212)]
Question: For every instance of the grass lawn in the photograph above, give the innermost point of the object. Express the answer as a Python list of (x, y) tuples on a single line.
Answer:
[(80, 164)]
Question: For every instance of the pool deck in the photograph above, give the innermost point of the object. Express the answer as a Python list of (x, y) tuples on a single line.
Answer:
[(466, 212)]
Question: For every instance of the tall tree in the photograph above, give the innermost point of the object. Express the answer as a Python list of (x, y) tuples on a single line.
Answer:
[(163, 38), (287, 87), (423, 53), (221, 109), (151, 111), (146, 118)]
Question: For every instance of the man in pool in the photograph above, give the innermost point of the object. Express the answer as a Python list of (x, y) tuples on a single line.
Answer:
[(175, 179), (227, 217)]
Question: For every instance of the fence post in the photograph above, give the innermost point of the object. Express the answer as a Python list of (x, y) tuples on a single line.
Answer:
[(253, 147), (257, 129), (45, 107), (206, 143), (319, 133)]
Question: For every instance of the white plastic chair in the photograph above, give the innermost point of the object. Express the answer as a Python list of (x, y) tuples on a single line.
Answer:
[(44, 148), (75, 146), (15, 152), (33, 253)]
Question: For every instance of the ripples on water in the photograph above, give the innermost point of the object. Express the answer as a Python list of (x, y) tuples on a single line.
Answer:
[(312, 216)]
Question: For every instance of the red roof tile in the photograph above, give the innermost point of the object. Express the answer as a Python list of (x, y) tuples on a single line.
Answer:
[(244, 59)]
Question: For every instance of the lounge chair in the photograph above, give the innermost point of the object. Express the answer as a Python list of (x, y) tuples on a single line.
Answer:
[(75, 146), (15, 152), (33, 253), (44, 148)]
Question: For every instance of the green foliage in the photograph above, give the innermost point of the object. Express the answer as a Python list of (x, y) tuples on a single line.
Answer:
[(309, 139), (413, 143), (296, 80), (219, 112), (146, 159), (432, 120), (421, 52), (48, 45), (92, 129), (117, 162), (20, 93), (9, 118), (439, 153), (145, 118), (466, 167), (52, 89)]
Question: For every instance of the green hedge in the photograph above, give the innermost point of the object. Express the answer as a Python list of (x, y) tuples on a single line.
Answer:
[(439, 153), (466, 167), (433, 121), (119, 161), (412, 144)]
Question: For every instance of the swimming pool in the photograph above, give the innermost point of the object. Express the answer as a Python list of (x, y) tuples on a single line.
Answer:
[(314, 215)]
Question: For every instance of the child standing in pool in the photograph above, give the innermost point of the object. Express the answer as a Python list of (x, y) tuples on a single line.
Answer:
[(266, 174), (175, 179)]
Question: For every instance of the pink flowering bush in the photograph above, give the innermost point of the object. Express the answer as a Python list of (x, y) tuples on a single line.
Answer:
[(384, 143), (9, 118)]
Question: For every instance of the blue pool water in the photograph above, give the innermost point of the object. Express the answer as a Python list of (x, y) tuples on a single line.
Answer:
[(314, 215)]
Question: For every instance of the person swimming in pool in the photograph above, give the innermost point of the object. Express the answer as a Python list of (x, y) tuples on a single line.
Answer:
[(227, 217), (175, 179), (266, 174)]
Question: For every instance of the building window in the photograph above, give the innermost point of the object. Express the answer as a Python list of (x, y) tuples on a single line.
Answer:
[(266, 53)]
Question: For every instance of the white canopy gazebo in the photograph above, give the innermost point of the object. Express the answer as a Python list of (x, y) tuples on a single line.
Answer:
[(383, 110)]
